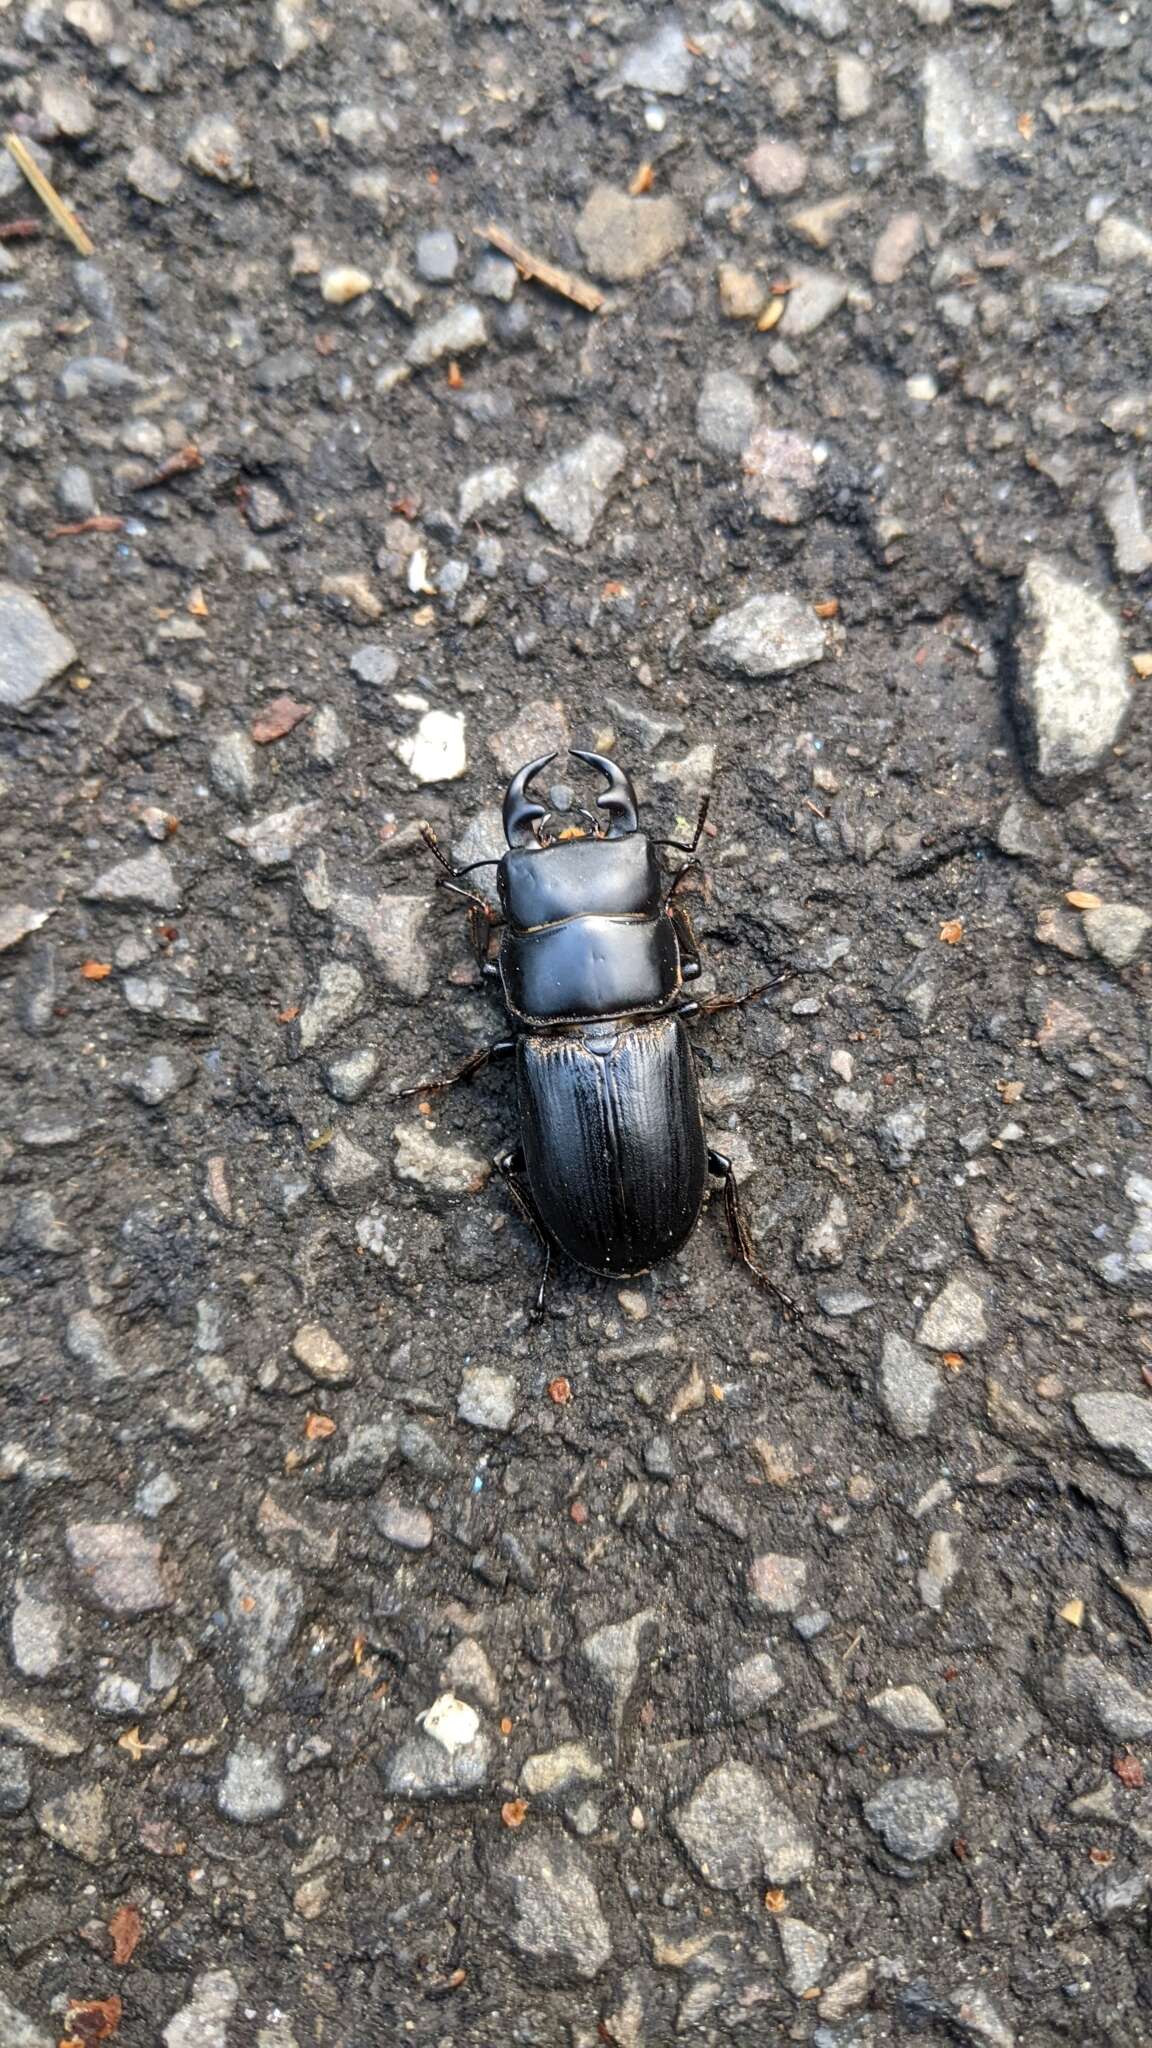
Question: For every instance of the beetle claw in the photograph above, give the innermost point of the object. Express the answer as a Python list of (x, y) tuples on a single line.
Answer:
[(520, 813), (619, 799)]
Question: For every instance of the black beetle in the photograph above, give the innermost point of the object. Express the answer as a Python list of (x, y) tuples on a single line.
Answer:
[(612, 1162)]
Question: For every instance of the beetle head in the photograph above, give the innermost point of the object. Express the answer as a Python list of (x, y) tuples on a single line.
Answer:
[(522, 813)]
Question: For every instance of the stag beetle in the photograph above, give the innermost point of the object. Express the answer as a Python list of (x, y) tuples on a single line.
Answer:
[(612, 1163)]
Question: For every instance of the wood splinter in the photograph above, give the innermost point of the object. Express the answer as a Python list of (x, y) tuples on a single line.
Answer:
[(46, 191), (542, 272)]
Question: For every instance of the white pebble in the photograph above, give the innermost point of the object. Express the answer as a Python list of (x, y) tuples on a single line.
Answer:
[(344, 283)]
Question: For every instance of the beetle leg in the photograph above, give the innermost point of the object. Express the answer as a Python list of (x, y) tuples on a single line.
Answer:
[(740, 1237), (710, 1006), (472, 1065), (509, 1166), (697, 835), (686, 940)]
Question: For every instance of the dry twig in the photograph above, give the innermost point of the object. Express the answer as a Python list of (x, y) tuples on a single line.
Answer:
[(538, 267), (45, 190)]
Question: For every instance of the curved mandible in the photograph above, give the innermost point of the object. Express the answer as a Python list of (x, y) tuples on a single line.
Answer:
[(619, 799), (520, 813)]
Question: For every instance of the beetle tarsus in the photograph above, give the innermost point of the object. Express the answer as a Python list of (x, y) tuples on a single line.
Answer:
[(509, 1166), (474, 1063), (740, 1237)]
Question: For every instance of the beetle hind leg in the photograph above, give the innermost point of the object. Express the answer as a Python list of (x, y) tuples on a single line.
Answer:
[(464, 1072), (740, 1237), (510, 1166)]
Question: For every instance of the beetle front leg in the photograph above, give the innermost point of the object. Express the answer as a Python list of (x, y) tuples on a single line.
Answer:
[(472, 1065), (509, 1165), (740, 1237)]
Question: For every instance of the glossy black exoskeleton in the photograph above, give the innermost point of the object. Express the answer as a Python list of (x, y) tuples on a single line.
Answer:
[(612, 1162)]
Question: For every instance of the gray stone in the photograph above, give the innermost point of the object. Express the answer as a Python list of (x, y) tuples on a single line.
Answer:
[(914, 1816), (975, 2018), (487, 1398), (16, 338), (407, 1527), (38, 1227), (437, 255), (22, 1721), (15, 1786), (1069, 678), (1117, 932), (900, 1134), (486, 488), (203, 2022), (805, 1952), (908, 1710), (217, 150), (145, 882), (557, 1919), (421, 1768), (118, 1564), (814, 297), (442, 1168), (1065, 302), (780, 472), (458, 333), (1121, 1425), (377, 666), (777, 1583), (97, 377), (77, 1820), (337, 996), (853, 87), (359, 1466), (391, 928), (662, 63), (617, 1659), (273, 840), (155, 1082), (232, 766), (32, 649), (623, 239), (315, 1348), (963, 122), (252, 1788), (777, 169), (829, 17), (351, 1076), (36, 1633), (18, 920), (767, 635), (571, 493), (1123, 515), (152, 175), (328, 742), (941, 1569), (496, 278), (18, 2031), (468, 1673), (738, 1832), (552, 1775), (1100, 1701), (909, 1385), (825, 1241), (726, 412), (1120, 241), (264, 1609), (956, 1320), (75, 492), (752, 1684), (346, 1170)]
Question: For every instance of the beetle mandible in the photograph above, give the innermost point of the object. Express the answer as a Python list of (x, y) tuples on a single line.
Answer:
[(612, 1163)]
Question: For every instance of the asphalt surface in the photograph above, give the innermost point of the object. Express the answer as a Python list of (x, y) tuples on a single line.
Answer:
[(378, 1663)]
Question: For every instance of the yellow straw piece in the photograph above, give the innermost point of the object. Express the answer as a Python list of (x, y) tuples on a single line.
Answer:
[(45, 190)]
